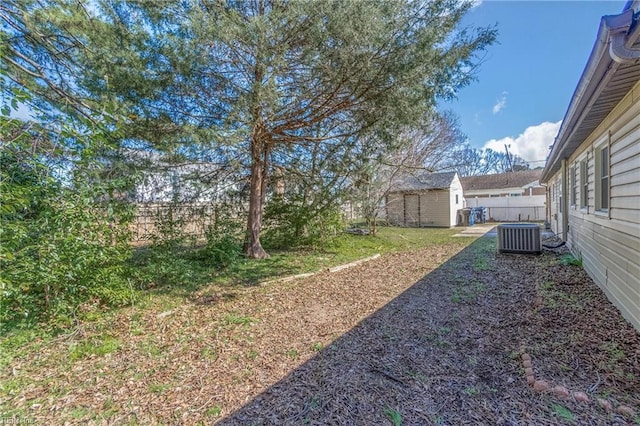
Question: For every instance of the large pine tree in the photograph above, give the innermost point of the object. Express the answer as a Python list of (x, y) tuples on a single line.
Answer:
[(256, 75)]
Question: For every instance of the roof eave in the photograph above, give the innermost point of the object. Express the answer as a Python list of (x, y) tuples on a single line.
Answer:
[(597, 65), (601, 66)]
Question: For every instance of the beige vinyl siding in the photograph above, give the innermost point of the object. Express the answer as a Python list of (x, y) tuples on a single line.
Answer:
[(609, 241), (420, 209), (434, 208), (412, 210)]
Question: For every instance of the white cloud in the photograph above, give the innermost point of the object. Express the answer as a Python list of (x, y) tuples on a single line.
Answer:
[(532, 145), (500, 103)]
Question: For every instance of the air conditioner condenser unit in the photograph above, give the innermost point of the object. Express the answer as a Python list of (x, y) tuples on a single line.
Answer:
[(523, 238)]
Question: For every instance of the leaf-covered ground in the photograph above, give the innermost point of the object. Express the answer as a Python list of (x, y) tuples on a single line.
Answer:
[(432, 336)]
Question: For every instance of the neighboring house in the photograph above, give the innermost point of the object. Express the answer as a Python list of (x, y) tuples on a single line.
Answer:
[(593, 170), (427, 200), (172, 196), (163, 181), (179, 184), (508, 197)]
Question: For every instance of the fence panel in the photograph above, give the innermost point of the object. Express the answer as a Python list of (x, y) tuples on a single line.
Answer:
[(153, 219), (511, 209)]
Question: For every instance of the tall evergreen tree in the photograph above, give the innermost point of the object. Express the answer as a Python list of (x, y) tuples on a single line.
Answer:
[(260, 75)]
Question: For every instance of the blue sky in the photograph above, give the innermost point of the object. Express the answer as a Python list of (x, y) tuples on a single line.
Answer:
[(527, 79)]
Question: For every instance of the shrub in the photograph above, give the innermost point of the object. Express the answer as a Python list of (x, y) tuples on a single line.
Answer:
[(61, 243), (223, 247), (290, 223), (222, 251)]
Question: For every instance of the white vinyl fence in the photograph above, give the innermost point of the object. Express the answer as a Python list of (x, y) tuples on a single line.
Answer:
[(511, 209)]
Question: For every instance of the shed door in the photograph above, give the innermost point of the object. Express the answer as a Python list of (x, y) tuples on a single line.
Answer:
[(412, 210)]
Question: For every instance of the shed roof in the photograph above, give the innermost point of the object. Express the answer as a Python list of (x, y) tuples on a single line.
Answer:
[(424, 181), (612, 70), (501, 180)]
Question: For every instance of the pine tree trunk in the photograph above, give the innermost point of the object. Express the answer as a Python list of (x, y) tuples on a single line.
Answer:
[(259, 154)]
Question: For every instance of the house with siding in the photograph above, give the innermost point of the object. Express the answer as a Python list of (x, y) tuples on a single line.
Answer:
[(592, 173), (426, 200), (523, 183), (508, 197)]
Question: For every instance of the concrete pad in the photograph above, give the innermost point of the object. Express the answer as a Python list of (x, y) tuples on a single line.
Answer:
[(477, 230)]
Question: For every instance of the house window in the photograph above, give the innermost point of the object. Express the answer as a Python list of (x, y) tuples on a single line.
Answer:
[(515, 195), (584, 184), (457, 199), (574, 186), (602, 178)]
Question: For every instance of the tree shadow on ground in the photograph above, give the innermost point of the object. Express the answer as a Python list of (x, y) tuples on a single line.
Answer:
[(440, 353)]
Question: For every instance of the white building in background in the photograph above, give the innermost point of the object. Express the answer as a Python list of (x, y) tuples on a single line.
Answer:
[(189, 182), (427, 200), (508, 197)]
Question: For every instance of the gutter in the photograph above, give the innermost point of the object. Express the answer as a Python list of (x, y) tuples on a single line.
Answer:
[(616, 35), (620, 46)]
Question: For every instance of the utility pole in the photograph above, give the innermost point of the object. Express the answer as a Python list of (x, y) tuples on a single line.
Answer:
[(506, 148)]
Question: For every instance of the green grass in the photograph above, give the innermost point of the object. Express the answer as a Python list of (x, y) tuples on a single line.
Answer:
[(184, 270), (394, 416), (467, 291), (570, 259), (19, 342), (555, 297), (472, 391), (235, 319), (159, 387), (344, 249), (214, 411), (95, 347), (563, 413)]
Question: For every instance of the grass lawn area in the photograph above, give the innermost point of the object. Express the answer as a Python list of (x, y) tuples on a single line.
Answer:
[(183, 273), (344, 249)]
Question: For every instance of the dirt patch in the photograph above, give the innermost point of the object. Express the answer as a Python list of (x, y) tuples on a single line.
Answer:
[(423, 337)]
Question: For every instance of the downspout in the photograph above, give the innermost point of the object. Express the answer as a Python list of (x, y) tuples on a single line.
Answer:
[(565, 201), (547, 205)]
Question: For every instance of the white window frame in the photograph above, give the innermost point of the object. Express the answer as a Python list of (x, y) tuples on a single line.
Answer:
[(603, 181), (584, 183), (573, 186)]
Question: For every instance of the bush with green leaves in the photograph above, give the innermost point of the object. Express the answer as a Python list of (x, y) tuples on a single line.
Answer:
[(222, 250), (223, 247), (64, 237), (292, 223)]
